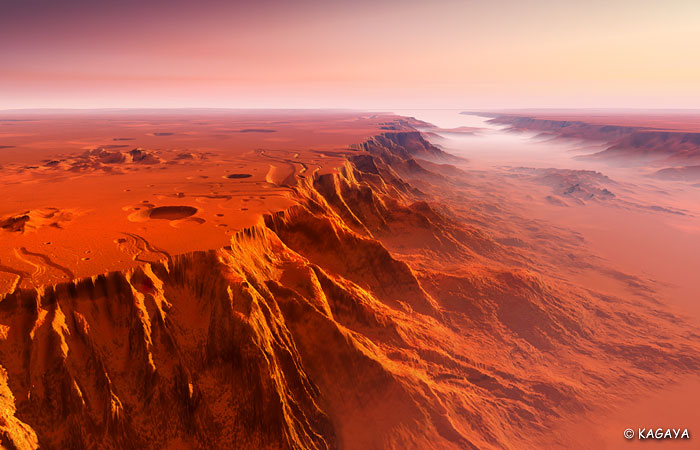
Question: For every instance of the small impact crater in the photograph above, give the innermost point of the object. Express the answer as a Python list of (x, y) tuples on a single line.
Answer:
[(172, 212)]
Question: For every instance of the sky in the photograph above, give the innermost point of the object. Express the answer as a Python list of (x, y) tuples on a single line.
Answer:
[(360, 54)]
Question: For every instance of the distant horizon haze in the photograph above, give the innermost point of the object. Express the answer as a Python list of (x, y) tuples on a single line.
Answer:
[(354, 55)]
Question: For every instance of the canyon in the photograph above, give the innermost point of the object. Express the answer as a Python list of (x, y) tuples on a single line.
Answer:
[(313, 280), (670, 139)]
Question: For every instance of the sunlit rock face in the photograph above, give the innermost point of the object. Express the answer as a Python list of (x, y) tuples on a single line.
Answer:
[(378, 302)]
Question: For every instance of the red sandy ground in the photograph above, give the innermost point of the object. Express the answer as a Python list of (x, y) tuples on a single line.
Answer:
[(355, 291), (87, 214)]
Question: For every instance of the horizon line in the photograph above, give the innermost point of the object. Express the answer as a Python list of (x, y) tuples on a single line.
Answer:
[(349, 109)]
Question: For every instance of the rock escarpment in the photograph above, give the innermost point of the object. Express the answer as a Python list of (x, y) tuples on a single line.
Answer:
[(626, 144), (323, 327)]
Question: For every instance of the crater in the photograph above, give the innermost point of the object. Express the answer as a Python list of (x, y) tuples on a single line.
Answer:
[(172, 212), (239, 175)]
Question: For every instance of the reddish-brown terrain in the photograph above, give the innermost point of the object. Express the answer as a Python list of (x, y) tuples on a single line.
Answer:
[(307, 280), (634, 138)]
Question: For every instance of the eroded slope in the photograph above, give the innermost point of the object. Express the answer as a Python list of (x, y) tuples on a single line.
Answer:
[(373, 313)]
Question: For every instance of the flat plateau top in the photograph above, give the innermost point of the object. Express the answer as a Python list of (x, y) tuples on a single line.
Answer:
[(85, 193)]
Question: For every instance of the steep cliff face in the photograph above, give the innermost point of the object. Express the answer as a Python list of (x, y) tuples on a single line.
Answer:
[(566, 128), (313, 330), (667, 146), (688, 173), (14, 434), (403, 146), (631, 144)]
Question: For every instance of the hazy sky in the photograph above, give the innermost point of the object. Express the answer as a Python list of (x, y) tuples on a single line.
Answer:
[(357, 54)]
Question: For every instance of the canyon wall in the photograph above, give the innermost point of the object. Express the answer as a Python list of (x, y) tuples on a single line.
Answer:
[(372, 314), (630, 144)]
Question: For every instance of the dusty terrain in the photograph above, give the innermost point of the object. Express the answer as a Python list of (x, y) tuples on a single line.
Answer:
[(212, 279), (661, 139), (88, 194)]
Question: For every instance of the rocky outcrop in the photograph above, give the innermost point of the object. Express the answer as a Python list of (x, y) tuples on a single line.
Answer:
[(404, 145), (14, 434), (565, 128), (627, 144), (313, 330), (651, 145)]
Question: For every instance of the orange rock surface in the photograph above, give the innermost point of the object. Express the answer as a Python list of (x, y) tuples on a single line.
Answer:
[(315, 280)]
